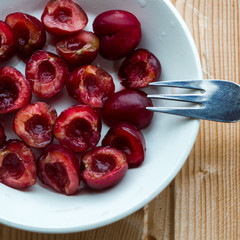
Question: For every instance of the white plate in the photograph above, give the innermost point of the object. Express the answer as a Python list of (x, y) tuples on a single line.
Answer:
[(169, 138)]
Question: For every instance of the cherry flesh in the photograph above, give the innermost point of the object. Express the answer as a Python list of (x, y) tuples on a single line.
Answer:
[(119, 32), (29, 31), (34, 124), (129, 106), (17, 165), (103, 167), (129, 139), (15, 91), (80, 49), (64, 17), (78, 127), (90, 85), (7, 42), (47, 73), (58, 168), (139, 69)]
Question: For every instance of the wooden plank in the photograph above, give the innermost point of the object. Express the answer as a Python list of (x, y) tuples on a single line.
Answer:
[(160, 215), (128, 228), (207, 189)]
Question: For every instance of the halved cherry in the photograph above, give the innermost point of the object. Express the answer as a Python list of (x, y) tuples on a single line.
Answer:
[(80, 49), (46, 72), (15, 91), (58, 168), (64, 17), (139, 69), (129, 106), (103, 167), (34, 124), (2, 135), (129, 139), (17, 165), (7, 42), (119, 32), (78, 127), (90, 85), (29, 32)]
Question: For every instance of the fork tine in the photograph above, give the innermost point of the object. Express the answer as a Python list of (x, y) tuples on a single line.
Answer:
[(190, 84), (187, 112), (196, 98)]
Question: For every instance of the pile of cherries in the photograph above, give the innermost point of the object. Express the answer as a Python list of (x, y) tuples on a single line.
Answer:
[(116, 35)]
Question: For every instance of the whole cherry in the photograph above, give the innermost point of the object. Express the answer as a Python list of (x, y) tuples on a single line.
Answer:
[(119, 32), (129, 106)]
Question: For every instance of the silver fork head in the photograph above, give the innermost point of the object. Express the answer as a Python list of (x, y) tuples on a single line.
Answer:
[(219, 99)]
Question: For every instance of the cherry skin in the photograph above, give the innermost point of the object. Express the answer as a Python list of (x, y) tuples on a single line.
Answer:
[(90, 85), (58, 168), (17, 165), (64, 17), (129, 139), (129, 106), (139, 69), (7, 42), (15, 91), (2, 135), (46, 73), (103, 167), (79, 49), (29, 31), (119, 32), (78, 127), (34, 124)]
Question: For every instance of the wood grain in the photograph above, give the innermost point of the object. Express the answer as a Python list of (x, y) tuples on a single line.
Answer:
[(128, 228), (208, 184), (203, 200), (206, 191)]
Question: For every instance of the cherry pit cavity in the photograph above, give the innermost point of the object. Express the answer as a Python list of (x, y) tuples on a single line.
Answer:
[(70, 151)]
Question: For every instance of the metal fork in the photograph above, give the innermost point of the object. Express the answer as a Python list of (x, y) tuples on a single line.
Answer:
[(219, 99)]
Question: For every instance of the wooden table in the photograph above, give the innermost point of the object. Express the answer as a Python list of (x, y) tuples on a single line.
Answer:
[(203, 201)]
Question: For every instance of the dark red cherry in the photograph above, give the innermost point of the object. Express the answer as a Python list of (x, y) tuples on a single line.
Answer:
[(103, 167)]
